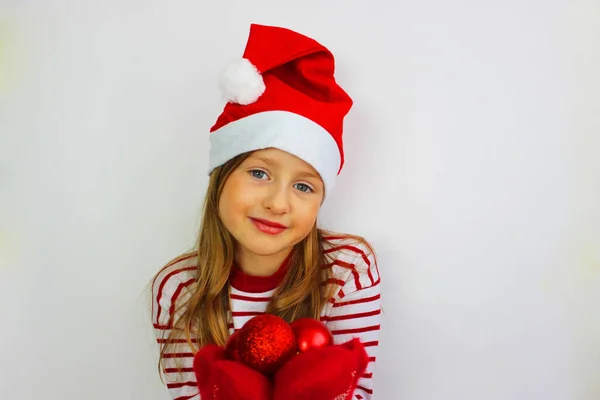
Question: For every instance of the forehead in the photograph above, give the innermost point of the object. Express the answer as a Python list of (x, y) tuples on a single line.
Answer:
[(282, 159)]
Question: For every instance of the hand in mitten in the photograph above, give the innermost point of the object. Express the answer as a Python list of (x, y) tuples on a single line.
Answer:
[(326, 373), (222, 379)]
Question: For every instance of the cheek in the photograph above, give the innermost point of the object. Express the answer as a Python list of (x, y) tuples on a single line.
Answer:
[(306, 216), (234, 202)]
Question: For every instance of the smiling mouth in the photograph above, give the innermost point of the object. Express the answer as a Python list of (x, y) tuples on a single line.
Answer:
[(268, 227)]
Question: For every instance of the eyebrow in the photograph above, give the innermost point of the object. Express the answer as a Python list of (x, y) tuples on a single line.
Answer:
[(266, 160), (308, 175), (303, 174)]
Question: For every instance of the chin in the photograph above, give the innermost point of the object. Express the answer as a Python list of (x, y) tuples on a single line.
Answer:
[(266, 247)]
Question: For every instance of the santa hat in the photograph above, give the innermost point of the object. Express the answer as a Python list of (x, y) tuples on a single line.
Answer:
[(282, 94)]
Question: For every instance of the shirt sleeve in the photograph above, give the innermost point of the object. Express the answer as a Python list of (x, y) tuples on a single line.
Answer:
[(168, 289), (356, 313)]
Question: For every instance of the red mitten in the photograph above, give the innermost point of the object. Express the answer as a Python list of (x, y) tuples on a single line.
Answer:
[(222, 379), (326, 373)]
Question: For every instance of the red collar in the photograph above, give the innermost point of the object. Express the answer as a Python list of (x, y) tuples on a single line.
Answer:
[(257, 284)]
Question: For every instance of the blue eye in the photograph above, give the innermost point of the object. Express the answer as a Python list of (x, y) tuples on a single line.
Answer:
[(304, 188), (258, 174)]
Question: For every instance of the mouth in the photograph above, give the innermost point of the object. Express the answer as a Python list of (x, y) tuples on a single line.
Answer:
[(269, 227)]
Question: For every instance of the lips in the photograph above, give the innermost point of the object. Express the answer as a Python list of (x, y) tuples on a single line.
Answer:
[(270, 223), (269, 227)]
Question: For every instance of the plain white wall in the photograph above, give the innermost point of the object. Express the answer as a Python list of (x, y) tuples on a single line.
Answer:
[(472, 166)]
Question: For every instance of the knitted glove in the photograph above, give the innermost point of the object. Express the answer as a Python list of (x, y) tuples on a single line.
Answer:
[(326, 373), (222, 379)]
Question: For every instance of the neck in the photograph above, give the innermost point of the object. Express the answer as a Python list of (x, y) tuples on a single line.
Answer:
[(257, 265)]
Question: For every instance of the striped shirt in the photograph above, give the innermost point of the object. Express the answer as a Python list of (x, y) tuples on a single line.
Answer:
[(353, 312)]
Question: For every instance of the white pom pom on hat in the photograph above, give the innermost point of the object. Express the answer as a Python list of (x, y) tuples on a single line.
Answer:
[(240, 82)]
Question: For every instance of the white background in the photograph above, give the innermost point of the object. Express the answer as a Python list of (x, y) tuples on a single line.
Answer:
[(472, 166)]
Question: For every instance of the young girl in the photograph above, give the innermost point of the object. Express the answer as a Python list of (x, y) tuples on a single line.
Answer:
[(275, 152)]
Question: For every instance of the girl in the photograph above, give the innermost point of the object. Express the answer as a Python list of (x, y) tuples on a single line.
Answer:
[(275, 152)]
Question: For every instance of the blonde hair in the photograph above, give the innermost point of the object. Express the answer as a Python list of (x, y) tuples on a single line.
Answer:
[(203, 316)]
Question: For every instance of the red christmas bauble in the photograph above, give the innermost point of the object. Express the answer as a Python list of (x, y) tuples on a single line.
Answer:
[(311, 334), (231, 351), (265, 343)]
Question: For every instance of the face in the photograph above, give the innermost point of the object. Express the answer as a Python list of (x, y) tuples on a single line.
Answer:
[(271, 202)]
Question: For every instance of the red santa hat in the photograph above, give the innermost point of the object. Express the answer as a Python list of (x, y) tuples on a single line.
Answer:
[(282, 94)]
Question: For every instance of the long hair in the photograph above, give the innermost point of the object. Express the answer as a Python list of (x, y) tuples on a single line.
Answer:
[(203, 316)]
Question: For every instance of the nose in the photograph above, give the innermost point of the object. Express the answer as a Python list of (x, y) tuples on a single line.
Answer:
[(277, 200)]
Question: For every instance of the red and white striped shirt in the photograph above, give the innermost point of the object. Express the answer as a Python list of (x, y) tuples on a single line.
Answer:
[(354, 311)]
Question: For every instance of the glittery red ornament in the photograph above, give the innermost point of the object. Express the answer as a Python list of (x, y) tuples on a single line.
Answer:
[(311, 334), (265, 343), (231, 352)]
